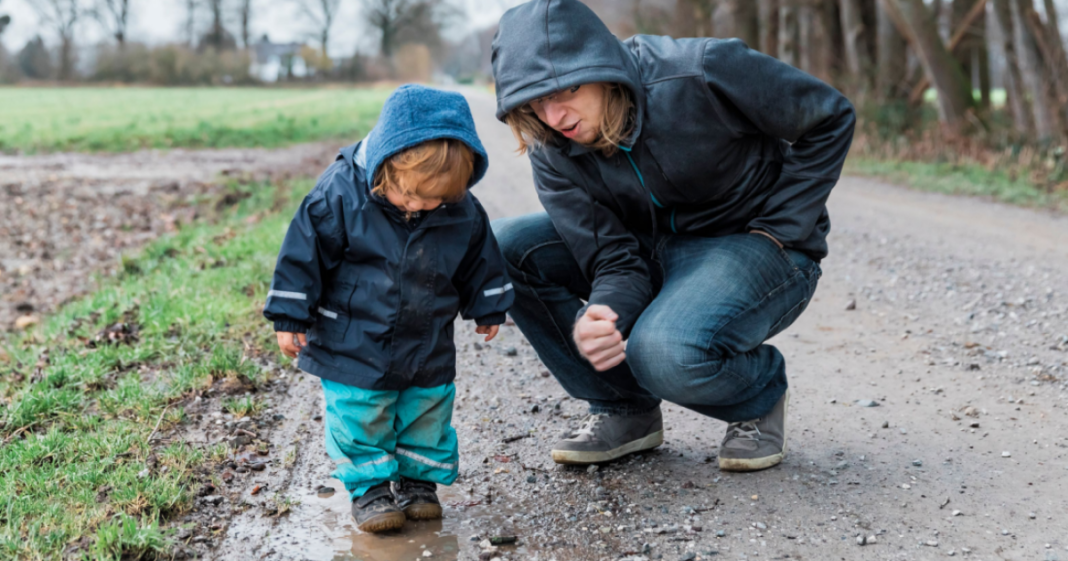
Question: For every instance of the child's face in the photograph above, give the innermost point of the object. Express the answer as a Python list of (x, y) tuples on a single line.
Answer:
[(411, 202)]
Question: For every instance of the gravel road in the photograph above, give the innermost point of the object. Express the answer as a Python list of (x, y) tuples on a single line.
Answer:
[(928, 414)]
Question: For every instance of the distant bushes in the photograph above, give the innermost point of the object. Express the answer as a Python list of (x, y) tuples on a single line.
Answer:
[(171, 65)]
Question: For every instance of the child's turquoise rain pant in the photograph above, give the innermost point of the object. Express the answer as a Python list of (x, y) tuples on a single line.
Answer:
[(375, 436)]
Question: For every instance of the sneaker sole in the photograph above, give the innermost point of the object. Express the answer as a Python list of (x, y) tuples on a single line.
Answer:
[(757, 464), (577, 457), (423, 512), (383, 522)]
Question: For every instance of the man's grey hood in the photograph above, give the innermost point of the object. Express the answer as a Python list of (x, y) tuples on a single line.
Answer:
[(545, 46)]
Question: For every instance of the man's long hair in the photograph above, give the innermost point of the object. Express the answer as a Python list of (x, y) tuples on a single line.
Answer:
[(617, 123)]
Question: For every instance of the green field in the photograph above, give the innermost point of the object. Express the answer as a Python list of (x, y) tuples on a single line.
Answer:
[(125, 119), (77, 466)]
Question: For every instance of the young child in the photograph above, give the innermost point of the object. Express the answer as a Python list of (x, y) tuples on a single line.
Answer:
[(381, 256)]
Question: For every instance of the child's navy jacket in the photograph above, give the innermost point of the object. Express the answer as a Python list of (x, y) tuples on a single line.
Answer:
[(376, 294)]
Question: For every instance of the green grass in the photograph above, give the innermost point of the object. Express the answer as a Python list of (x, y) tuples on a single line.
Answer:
[(125, 119), (75, 423), (244, 406), (967, 179)]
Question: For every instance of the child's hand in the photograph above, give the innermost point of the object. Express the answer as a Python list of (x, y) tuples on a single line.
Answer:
[(292, 343), (490, 331)]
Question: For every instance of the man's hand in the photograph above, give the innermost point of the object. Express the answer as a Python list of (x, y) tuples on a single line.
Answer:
[(490, 331), (291, 343), (598, 339)]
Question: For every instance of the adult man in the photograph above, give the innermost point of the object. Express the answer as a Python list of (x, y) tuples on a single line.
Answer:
[(685, 184)]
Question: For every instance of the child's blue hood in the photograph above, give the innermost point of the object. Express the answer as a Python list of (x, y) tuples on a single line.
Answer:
[(414, 114)]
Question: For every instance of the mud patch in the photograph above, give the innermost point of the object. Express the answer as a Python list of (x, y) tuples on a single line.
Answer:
[(67, 217)]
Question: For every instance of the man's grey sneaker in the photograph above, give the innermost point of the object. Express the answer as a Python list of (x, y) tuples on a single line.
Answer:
[(603, 438), (418, 499), (375, 511), (757, 444)]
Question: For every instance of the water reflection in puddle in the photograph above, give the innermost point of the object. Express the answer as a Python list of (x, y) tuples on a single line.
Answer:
[(321, 527)]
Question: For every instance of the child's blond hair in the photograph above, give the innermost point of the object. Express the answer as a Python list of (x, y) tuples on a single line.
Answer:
[(435, 169)]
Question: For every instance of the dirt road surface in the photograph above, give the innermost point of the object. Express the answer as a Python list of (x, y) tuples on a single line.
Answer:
[(949, 315)]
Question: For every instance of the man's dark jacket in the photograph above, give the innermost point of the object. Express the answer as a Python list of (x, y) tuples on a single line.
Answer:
[(725, 140), (376, 293)]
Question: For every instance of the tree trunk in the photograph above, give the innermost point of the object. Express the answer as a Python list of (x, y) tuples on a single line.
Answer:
[(954, 94), (768, 11), (814, 39), (736, 18), (892, 58), (788, 32), (191, 22), (858, 59), (246, 20), (1061, 58), (66, 58), (695, 17), (970, 52), (1018, 103), (1051, 48), (1032, 69)]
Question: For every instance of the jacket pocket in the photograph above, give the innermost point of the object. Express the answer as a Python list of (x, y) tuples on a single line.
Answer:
[(331, 325)]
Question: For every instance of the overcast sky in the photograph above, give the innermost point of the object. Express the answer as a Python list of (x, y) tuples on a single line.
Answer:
[(162, 21)]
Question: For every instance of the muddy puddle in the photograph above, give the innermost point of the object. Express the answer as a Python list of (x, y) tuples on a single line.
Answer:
[(328, 515)]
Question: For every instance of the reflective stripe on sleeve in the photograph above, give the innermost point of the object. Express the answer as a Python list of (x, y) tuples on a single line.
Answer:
[(289, 295), (496, 291)]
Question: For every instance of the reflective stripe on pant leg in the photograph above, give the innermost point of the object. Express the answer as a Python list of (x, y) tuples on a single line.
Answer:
[(360, 435), (426, 442)]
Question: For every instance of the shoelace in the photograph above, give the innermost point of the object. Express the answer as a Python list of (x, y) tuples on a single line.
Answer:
[(588, 425), (747, 430)]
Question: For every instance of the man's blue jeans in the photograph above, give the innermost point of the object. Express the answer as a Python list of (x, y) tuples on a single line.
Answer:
[(699, 344)]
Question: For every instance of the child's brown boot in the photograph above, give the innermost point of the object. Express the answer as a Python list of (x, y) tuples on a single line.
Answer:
[(376, 511), (418, 499)]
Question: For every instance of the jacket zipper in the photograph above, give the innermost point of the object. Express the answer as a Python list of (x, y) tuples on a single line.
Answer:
[(642, 180)]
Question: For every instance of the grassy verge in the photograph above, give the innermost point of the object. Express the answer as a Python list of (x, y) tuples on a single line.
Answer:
[(125, 119), (81, 398), (961, 179)]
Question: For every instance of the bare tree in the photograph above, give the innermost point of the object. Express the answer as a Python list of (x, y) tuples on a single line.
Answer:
[(971, 49), (62, 16), (736, 18), (1014, 85), (788, 32), (891, 57), (858, 57), (1035, 78), (114, 16), (1051, 46), (244, 14), (388, 17), (955, 101), (217, 37), (5, 20), (815, 38), (768, 14), (321, 14), (697, 14), (191, 22)]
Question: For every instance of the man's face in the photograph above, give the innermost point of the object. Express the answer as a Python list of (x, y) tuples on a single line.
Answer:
[(575, 112)]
